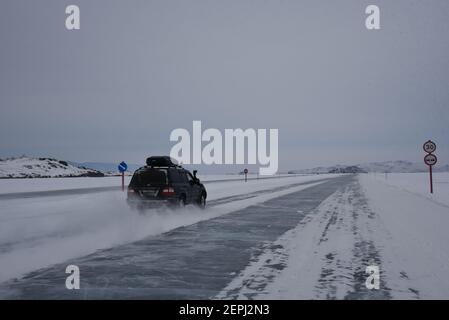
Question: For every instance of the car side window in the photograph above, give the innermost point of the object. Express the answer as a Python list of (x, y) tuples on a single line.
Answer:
[(190, 177)]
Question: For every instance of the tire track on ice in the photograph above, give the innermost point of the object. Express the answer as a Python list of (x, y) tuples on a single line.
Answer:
[(324, 257)]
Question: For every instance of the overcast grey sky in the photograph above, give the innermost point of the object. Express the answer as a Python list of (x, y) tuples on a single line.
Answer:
[(136, 70)]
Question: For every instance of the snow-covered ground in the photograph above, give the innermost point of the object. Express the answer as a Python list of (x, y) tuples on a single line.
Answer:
[(40, 231), (50, 184), (388, 222), (417, 234), (418, 183)]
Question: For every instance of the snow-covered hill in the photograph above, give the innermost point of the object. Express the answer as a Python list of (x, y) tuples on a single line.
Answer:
[(25, 167), (333, 169), (105, 167), (398, 166)]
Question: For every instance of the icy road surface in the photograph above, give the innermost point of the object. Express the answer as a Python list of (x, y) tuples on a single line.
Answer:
[(40, 231), (194, 261)]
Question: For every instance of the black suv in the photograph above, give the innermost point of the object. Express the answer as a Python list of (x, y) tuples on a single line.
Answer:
[(163, 181)]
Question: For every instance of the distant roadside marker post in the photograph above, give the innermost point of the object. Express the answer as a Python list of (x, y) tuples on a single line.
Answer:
[(122, 167), (246, 174), (430, 159)]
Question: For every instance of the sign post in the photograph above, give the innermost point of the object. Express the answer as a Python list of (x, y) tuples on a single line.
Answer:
[(122, 167), (246, 174), (430, 159)]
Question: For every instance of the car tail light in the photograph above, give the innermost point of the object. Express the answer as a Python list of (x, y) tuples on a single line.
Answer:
[(168, 192)]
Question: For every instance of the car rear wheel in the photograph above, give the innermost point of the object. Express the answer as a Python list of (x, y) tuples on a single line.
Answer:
[(202, 201), (182, 202)]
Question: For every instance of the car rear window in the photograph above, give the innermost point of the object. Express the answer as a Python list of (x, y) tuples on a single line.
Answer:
[(149, 177)]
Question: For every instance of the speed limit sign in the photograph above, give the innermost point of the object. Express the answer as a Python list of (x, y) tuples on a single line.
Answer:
[(430, 159), (429, 146)]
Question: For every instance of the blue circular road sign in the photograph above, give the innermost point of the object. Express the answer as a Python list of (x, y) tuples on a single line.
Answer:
[(122, 167)]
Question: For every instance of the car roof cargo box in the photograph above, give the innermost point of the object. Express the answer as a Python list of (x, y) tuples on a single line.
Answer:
[(161, 161)]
